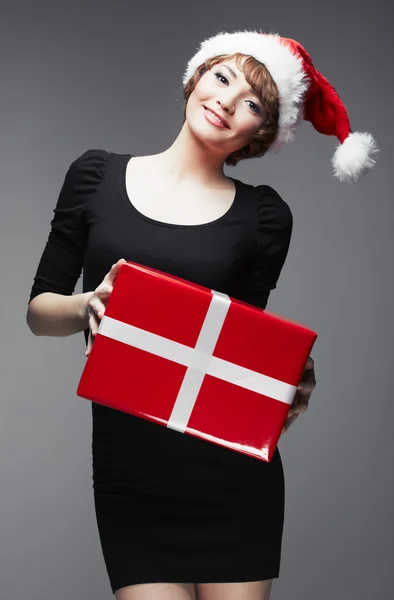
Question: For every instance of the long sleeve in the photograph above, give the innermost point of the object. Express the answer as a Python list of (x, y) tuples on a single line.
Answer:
[(273, 234), (62, 260)]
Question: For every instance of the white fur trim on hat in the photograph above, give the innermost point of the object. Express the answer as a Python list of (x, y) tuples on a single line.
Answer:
[(354, 157)]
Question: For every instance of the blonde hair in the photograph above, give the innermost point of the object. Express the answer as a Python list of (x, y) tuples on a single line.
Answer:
[(258, 77)]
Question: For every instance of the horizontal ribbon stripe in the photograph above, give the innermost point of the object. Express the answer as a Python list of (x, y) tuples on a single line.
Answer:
[(198, 360)]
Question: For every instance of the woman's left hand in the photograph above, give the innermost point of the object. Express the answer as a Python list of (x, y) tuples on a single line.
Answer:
[(304, 392)]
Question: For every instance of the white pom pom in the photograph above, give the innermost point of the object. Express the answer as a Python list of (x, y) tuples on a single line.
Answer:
[(354, 158)]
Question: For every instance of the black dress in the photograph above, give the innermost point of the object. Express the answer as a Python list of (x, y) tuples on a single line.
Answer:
[(171, 507)]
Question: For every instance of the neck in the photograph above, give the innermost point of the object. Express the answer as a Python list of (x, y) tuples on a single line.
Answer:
[(189, 160)]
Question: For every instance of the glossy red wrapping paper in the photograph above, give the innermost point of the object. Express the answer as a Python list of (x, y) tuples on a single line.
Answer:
[(196, 360)]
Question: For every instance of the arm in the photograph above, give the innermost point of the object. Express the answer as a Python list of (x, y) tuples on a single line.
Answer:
[(274, 225), (58, 315), (53, 309)]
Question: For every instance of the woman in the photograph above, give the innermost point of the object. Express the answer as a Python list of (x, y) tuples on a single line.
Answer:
[(179, 517)]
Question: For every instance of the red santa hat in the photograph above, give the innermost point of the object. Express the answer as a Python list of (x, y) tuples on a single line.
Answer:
[(303, 94)]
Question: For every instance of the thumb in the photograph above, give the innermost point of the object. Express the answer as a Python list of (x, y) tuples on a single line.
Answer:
[(116, 268)]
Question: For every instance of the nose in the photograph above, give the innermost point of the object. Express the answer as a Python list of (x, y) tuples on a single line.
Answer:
[(227, 104), (226, 107)]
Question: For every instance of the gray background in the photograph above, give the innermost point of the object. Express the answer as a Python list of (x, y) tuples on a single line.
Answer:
[(82, 75)]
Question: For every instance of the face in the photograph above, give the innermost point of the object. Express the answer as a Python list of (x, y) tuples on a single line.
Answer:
[(230, 96)]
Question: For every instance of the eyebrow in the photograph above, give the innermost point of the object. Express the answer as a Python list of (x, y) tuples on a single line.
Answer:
[(233, 73)]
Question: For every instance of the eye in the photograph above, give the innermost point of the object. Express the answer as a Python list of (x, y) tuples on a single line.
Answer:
[(219, 75), (257, 108)]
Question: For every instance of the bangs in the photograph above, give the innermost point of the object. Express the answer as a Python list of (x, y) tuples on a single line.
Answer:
[(256, 74)]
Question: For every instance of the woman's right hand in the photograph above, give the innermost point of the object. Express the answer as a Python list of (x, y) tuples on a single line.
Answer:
[(97, 302)]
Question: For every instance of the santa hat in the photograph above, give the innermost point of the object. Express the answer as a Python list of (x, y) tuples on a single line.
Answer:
[(303, 94)]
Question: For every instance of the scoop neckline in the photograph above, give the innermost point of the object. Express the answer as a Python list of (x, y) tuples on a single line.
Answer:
[(139, 214)]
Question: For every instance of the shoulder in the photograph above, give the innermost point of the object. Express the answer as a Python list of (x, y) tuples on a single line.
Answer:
[(92, 160), (268, 202), (272, 209), (82, 180), (86, 172)]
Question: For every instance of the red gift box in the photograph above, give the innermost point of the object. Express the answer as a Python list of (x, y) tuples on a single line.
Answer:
[(196, 360)]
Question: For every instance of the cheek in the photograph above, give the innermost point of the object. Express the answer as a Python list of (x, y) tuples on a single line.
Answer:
[(197, 98), (252, 129), (195, 111), (244, 130), (206, 89)]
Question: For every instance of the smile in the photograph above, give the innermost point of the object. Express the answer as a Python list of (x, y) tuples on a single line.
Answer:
[(212, 118)]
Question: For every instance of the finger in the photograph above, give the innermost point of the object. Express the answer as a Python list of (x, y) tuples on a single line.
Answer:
[(115, 269), (93, 323), (102, 290), (91, 338), (97, 306), (288, 423), (296, 400), (309, 378), (88, 345), (309, 363), (308, 388), (303, 401), (291, 419), (304, 392), (306, 384), (300, 406)]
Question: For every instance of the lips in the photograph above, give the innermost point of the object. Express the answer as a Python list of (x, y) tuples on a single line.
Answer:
[(221, 118)]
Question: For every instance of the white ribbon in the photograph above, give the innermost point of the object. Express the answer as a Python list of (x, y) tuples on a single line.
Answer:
[(198, 360)]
